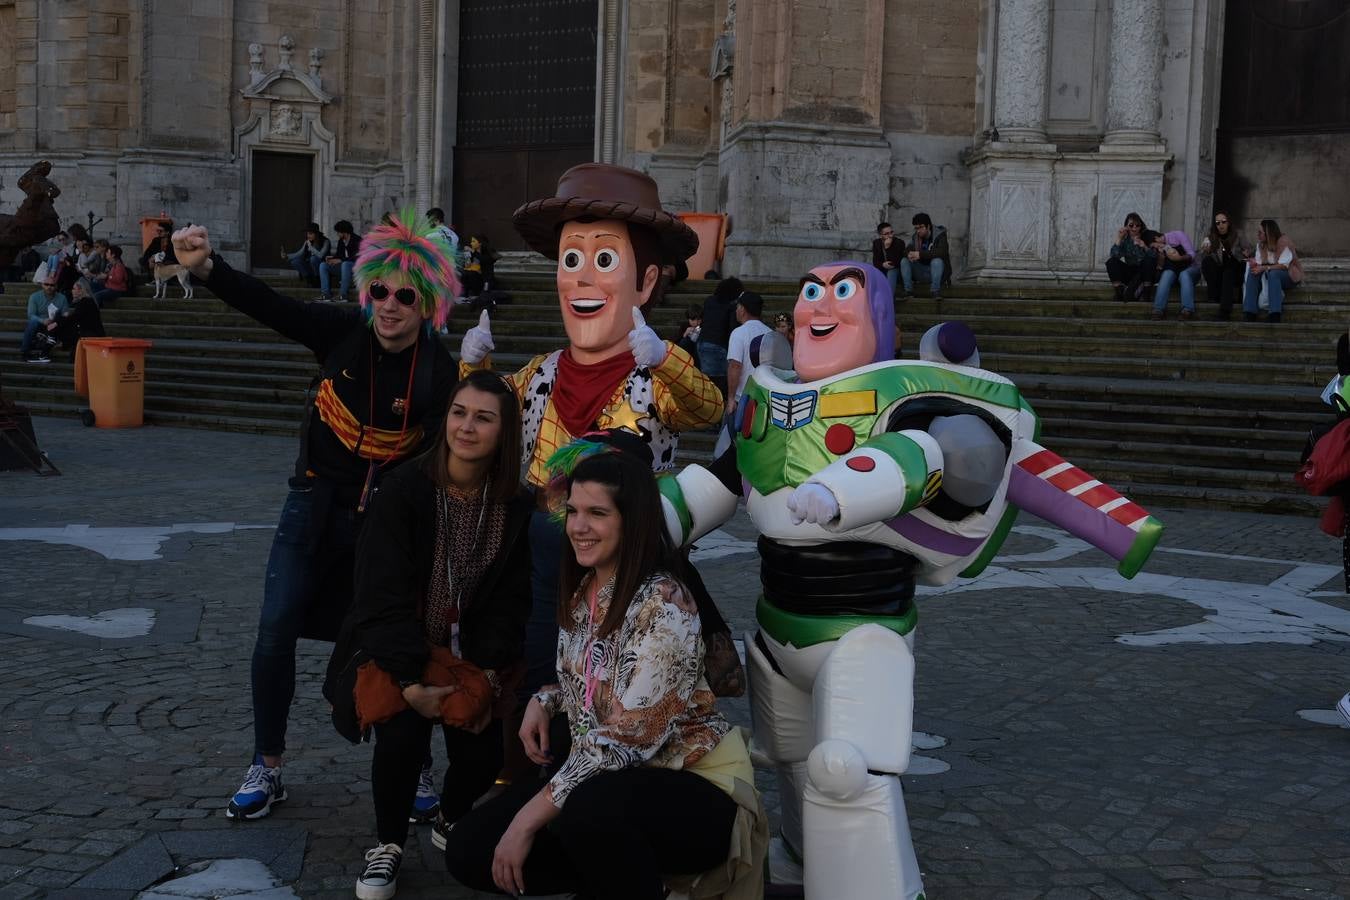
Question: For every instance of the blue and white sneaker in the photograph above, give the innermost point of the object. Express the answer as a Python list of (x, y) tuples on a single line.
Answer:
[(1343, 706), (427, 803), (262, 788)]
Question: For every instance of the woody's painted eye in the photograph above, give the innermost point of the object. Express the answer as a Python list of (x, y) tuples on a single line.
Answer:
[(572, 260), (607, 260)]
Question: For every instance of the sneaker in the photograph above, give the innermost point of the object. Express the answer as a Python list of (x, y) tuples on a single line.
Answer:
[(937, 297), (440, 832), (380, 879), (1343, 707), (262, 787), (38, 356), (325, 298), (1159, 314), (427, 804), (1188, 314)]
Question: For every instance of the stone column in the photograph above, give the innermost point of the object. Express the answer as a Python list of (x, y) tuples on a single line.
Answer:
[(1132, 99), (1020, 70)]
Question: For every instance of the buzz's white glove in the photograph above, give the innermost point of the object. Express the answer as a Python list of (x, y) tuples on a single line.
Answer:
[(477, 341), (647, 346), (812, 503)]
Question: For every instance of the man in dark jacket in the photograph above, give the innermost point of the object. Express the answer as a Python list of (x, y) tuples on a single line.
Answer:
[(344, 258), (926, 257), (887, 252), (382, 391)]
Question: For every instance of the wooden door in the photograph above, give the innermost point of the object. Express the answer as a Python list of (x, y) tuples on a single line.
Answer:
[(282, 204), (526, 108)]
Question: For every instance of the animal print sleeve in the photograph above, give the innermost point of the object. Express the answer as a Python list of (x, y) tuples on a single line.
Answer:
[(655, 671)]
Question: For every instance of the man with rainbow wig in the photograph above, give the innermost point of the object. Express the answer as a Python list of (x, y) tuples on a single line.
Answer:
[(866, 475), (382, 391)]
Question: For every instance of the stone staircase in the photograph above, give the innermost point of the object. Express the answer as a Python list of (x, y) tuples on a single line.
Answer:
[(1174, 413)]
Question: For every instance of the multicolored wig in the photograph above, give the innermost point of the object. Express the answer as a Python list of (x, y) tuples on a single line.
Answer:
[(410, 248), (880, 305), (565, 460)]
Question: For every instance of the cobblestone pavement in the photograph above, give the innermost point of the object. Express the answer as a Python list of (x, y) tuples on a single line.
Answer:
[(1169, 741)]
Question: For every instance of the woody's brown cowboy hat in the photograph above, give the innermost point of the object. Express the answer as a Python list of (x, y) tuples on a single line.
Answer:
[(602, 191)]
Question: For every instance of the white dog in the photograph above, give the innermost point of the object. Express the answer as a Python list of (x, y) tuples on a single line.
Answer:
[(164, 273)]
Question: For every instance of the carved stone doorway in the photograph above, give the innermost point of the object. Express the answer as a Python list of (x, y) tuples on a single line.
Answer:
[(282, 203)]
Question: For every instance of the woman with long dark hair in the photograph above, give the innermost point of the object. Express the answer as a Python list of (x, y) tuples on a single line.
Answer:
[(655, 777), (442, 578), (1224, 253), (1132, 263)]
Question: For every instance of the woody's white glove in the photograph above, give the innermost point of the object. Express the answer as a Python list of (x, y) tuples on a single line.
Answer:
[(647, 346), (477, 343), (812, 503)]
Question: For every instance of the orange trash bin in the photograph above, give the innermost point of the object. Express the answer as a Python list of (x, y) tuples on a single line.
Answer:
[(111, 373)]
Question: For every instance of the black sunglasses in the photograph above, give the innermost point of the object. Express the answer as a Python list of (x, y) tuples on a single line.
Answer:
[(378, 291)]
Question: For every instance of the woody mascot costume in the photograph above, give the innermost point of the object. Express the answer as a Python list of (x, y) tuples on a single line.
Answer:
[(607, 230), (383, 386), (866, 475)]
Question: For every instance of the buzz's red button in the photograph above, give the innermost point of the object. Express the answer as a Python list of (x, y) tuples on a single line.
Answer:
[(839, 439), (862, 463), (748, 418)]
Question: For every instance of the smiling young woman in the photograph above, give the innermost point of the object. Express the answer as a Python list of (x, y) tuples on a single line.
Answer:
[(443, 570), (654, 774)]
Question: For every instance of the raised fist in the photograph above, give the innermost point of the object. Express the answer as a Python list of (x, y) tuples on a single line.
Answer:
[(192, 246)]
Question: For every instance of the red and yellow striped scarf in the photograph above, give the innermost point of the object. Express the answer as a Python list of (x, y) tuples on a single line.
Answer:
[(367, 441)]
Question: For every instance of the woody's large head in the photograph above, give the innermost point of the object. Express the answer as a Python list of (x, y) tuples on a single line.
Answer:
[(607, 230)]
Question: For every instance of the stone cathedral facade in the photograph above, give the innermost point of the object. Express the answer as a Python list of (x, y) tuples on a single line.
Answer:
[(1028, 127)]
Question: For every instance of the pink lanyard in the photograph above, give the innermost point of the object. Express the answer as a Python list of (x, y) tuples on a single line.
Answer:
[(592, 681)]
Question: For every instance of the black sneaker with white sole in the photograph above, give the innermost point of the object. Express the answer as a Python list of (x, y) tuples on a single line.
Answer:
[(440, 833), (380, 879)]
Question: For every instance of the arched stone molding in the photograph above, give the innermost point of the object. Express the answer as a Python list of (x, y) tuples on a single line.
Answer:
[(284, 116)]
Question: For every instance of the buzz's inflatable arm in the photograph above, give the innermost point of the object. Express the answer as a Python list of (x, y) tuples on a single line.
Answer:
[(1047, 486)]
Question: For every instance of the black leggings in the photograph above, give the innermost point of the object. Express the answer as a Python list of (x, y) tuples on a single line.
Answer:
[(401, 748), (1121, 272), (617, 834), (1224, 279)]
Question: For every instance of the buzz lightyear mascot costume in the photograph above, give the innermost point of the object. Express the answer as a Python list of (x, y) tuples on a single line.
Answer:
[(864, 475)]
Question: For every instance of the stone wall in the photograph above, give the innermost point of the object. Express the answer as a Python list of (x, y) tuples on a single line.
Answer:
[(139, 107)]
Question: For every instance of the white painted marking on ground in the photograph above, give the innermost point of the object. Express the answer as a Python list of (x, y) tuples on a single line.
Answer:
[(1324, 717), (1282, 611), (125, 543), (245, 879), (128, 622)]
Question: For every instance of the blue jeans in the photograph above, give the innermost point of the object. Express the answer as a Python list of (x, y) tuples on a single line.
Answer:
[(712, 359), (933, 270), (304, 264), (106, 296), (541, 630), (1277, 281), (293, 578), (325, 278), (1188, 278), (29, 332), (893, 276)]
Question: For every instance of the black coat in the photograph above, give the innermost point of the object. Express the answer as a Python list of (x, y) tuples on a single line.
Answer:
[(393, 570)]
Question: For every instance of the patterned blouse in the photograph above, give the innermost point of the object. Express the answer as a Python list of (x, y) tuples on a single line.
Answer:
[(650, 704)]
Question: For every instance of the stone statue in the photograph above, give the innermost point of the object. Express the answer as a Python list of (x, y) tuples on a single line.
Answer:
[(36, 219)]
